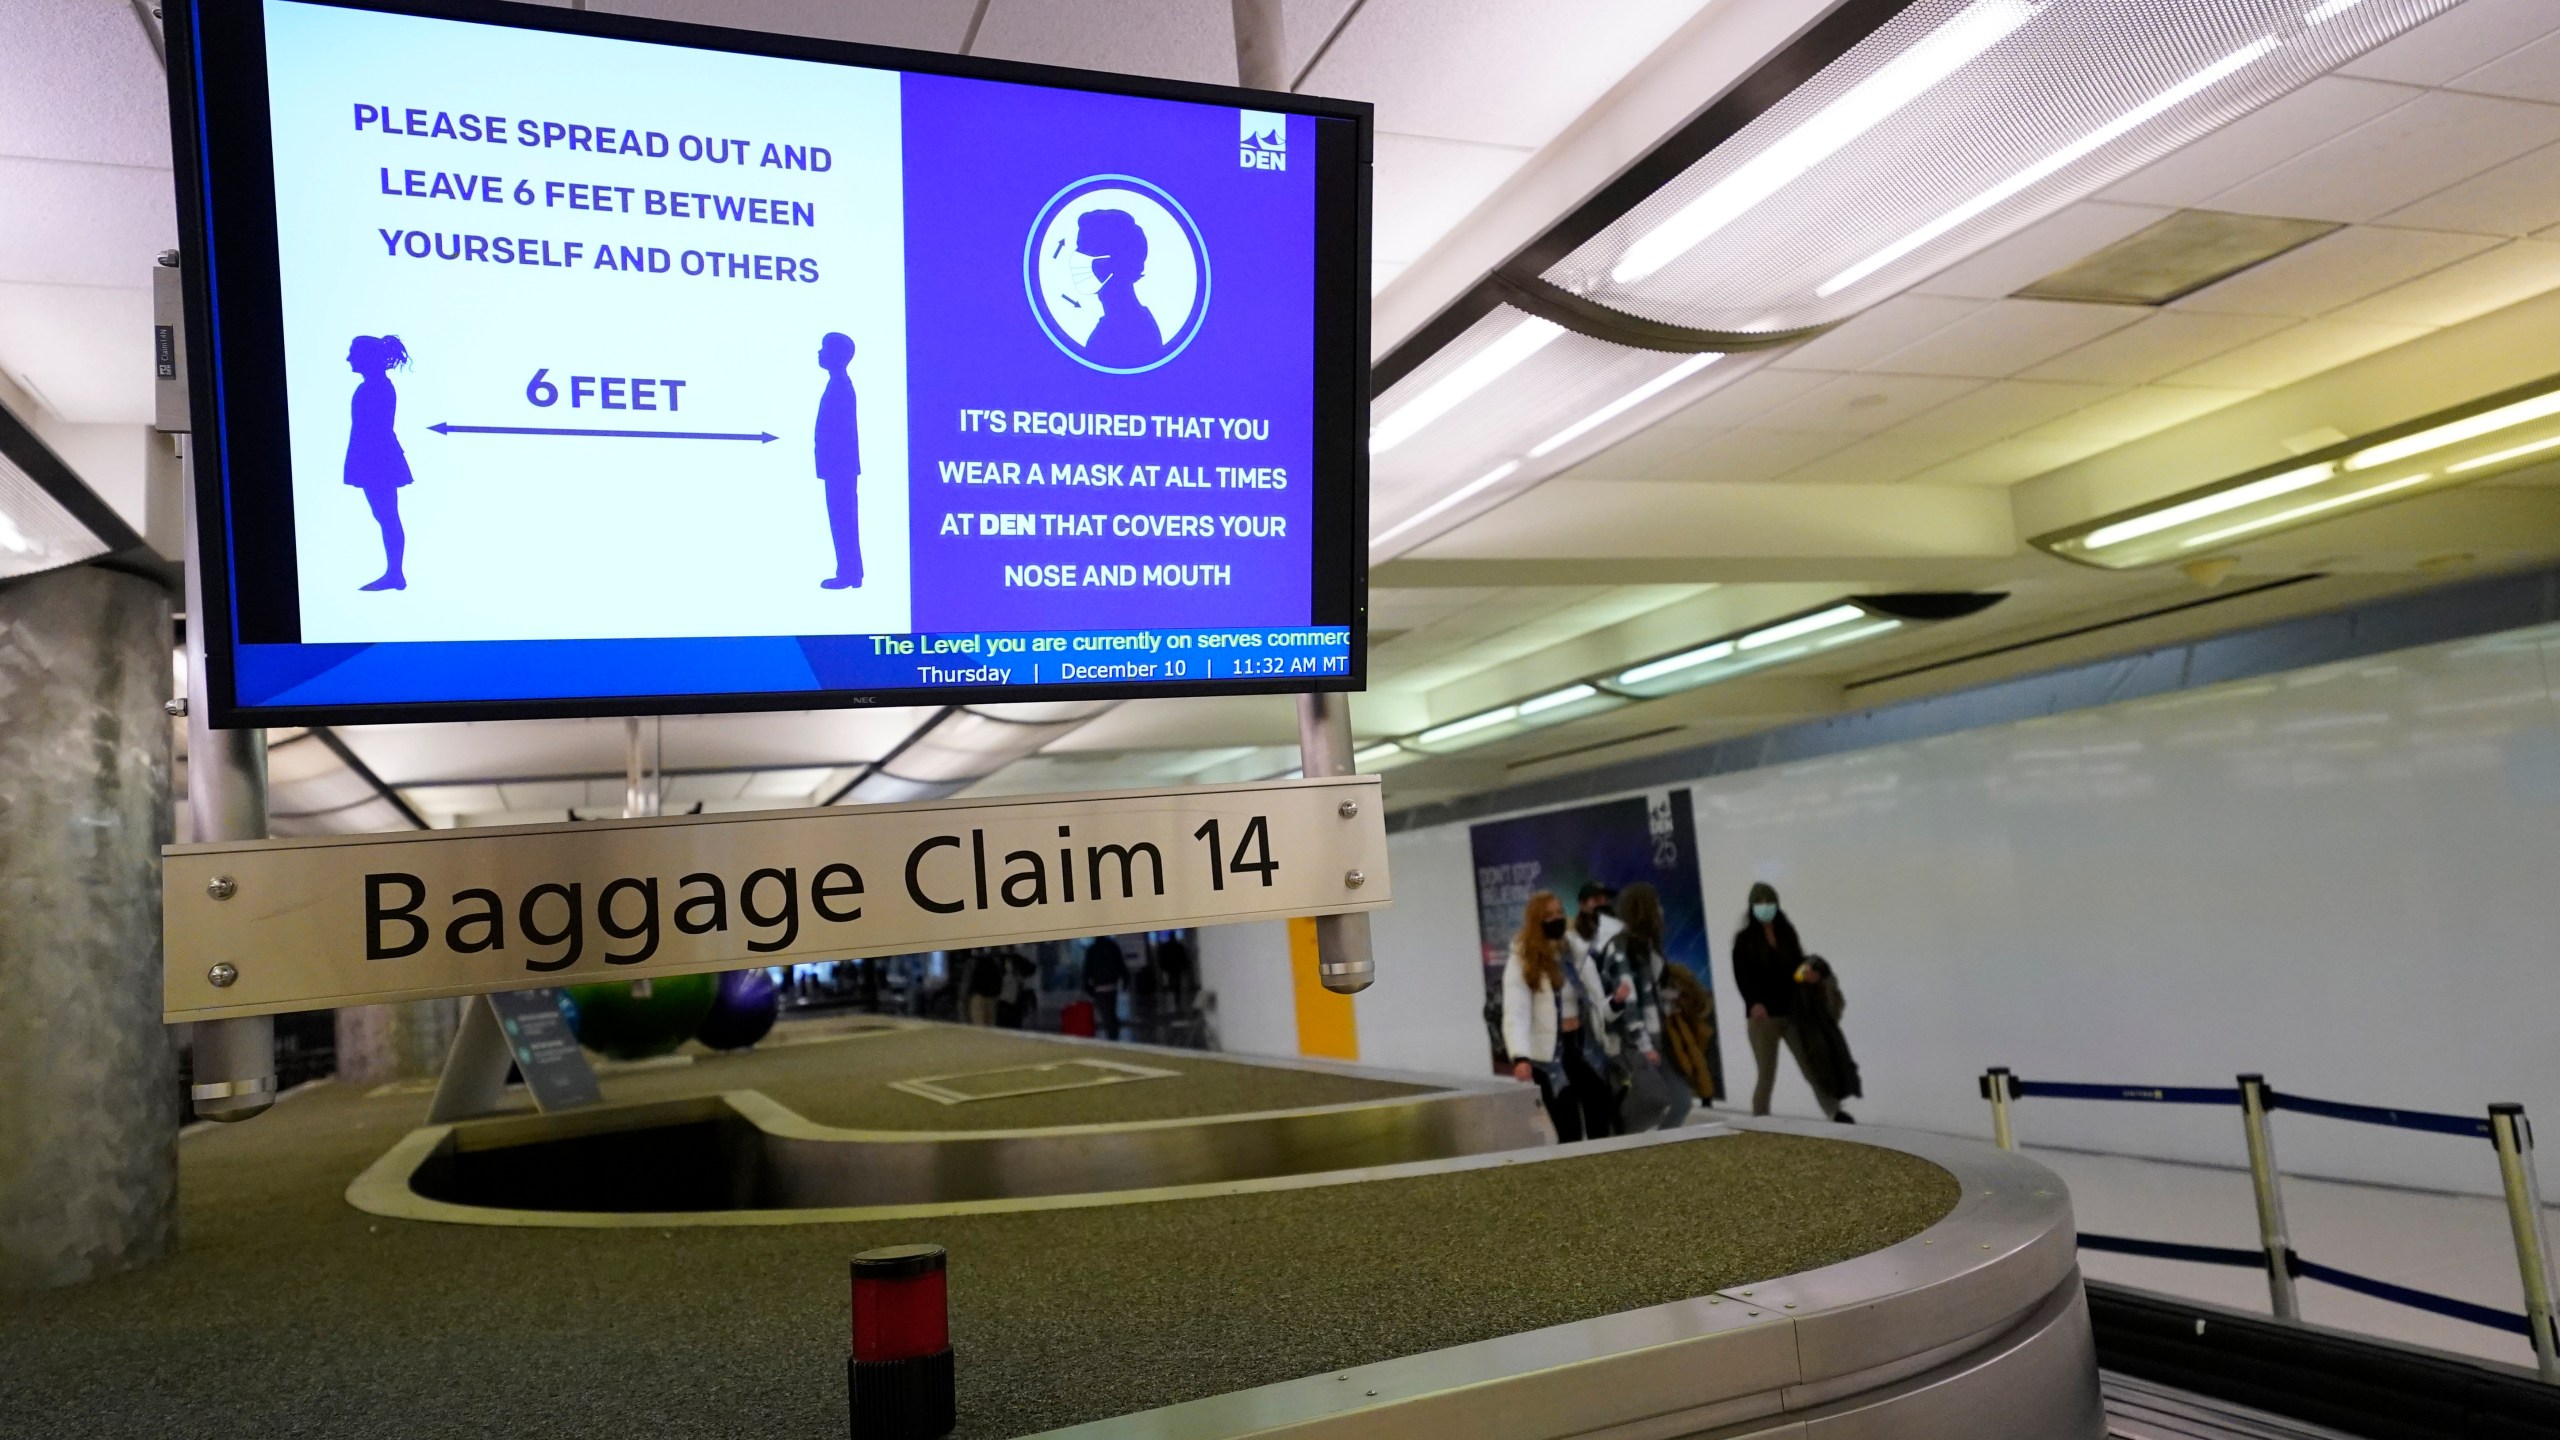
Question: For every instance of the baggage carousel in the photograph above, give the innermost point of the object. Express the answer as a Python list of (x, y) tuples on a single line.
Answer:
[(1172, 1245)]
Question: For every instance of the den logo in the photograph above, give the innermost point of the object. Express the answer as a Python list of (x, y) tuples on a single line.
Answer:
[(1265, 145), (1117, 273)]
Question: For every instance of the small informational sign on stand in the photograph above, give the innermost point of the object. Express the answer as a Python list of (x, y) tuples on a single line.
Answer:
[(555, 1069), (264, 926)]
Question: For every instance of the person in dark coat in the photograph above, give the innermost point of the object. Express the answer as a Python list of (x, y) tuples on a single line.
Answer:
[(1106, 969), (1766, 957), (1825, 1056)]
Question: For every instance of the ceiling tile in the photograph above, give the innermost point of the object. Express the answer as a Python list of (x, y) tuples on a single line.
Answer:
[(2406, 155), (2516, 271), (1744, 456), (85, 350), (913, 24), (2008, 462), (2040, 249), (2007, 337), (2465, 37), (2137, 413), (2337, 269), (104, 224), (2531, 72), (1872, 334), (1745, 398), (2004, 408), (1639, 455), (78, 81), (1853, 405), (1503, 72), (1426, 186), (1177, 39), (2516, 198), (2158, 343), (1881, 459), (2290, 355), (2273, 133)]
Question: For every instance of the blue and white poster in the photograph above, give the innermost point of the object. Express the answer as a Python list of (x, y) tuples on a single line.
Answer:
[(895, 380), (1652, 838)]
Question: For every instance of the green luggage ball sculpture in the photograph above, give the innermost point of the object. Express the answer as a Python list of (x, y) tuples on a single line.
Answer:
[(637, 1019)]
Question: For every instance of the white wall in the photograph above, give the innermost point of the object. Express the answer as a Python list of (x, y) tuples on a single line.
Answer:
[(1423, 1013), (2347, 878)]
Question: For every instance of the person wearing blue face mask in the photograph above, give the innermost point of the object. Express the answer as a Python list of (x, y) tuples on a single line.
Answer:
[(1766, 957)]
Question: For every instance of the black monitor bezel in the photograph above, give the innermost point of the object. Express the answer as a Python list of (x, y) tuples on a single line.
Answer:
[(227, 232)]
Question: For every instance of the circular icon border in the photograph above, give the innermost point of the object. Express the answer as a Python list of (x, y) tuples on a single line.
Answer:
[(1040, 309)]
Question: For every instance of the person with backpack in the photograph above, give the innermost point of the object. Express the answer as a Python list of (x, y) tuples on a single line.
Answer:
[(1554, 1012), (1631, 966)]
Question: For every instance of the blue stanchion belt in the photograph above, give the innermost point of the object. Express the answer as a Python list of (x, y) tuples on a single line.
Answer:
[(2150, 1094), (2300, 1268), (2473, 1126)]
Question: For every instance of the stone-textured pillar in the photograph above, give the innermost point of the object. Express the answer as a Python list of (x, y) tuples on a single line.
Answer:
[(377, 1043), (88, 1077)]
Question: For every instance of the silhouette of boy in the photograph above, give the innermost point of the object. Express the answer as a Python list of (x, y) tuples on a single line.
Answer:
[(839, 459)]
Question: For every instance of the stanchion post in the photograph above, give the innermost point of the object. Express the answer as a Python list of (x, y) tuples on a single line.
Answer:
[(2262, 1177), (1999, 1087), (1343, 960), (234, 1060), (2513, 1135)]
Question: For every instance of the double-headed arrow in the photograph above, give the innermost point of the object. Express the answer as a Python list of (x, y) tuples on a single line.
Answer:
[(448, 428)]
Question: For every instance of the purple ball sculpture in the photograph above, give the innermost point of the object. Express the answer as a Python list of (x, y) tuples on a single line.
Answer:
[(742, 1011)]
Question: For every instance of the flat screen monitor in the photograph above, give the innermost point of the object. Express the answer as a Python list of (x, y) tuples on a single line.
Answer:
[(556, 363)]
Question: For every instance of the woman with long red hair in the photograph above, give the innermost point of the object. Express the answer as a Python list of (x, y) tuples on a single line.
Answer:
[(1553, 1011)]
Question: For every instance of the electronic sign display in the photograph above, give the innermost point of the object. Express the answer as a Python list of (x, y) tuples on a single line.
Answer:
[(555, 363)]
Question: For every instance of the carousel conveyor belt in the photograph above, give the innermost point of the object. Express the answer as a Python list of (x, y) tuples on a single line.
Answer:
[(2141, 1410)]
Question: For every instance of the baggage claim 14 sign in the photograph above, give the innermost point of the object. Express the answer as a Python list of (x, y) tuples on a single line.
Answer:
[(551, 362), (262, 927)]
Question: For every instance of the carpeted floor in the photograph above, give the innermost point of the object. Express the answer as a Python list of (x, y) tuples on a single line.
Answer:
[(287, 1313)]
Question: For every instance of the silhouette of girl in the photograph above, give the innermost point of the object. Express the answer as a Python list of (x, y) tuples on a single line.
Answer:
[(1128, 334), (375, 463)]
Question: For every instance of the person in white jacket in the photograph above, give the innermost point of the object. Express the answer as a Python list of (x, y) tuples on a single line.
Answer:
[(1553, 1015)]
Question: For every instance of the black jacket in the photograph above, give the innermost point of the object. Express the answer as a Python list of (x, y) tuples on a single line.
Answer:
[(1104, 964), (1766, 973)]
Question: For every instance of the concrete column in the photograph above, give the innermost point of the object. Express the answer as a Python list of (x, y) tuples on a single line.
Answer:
[(408, 1041), (88, 1078)]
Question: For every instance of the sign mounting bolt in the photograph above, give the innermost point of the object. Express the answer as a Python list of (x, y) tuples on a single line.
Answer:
[(175, 707), (221, 976), (1355, 878), (1348, 808), (222, 887)]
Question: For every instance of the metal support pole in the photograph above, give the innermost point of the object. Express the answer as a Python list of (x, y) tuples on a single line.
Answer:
[(642, 792), (2262, 1176), (2513, 1135), (1343, 960), (1998, 1087), (1262, 52), (235, 1060)]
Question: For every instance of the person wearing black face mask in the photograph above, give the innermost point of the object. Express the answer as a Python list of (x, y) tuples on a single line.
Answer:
[(1766, 957), (1553, 1014)]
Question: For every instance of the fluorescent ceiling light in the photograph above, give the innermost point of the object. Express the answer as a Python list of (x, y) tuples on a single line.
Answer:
[(2484, 423), (1623, 404), (1495, 476), (13, 539), (2203, 507), (1673, 664), (1802, 625), (1375, 753), (1471, 375), (2123, 124), (2501, 457), (1469, 726), (1866, 105), (2302, 512), (2329, 10), (1554, 699)]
